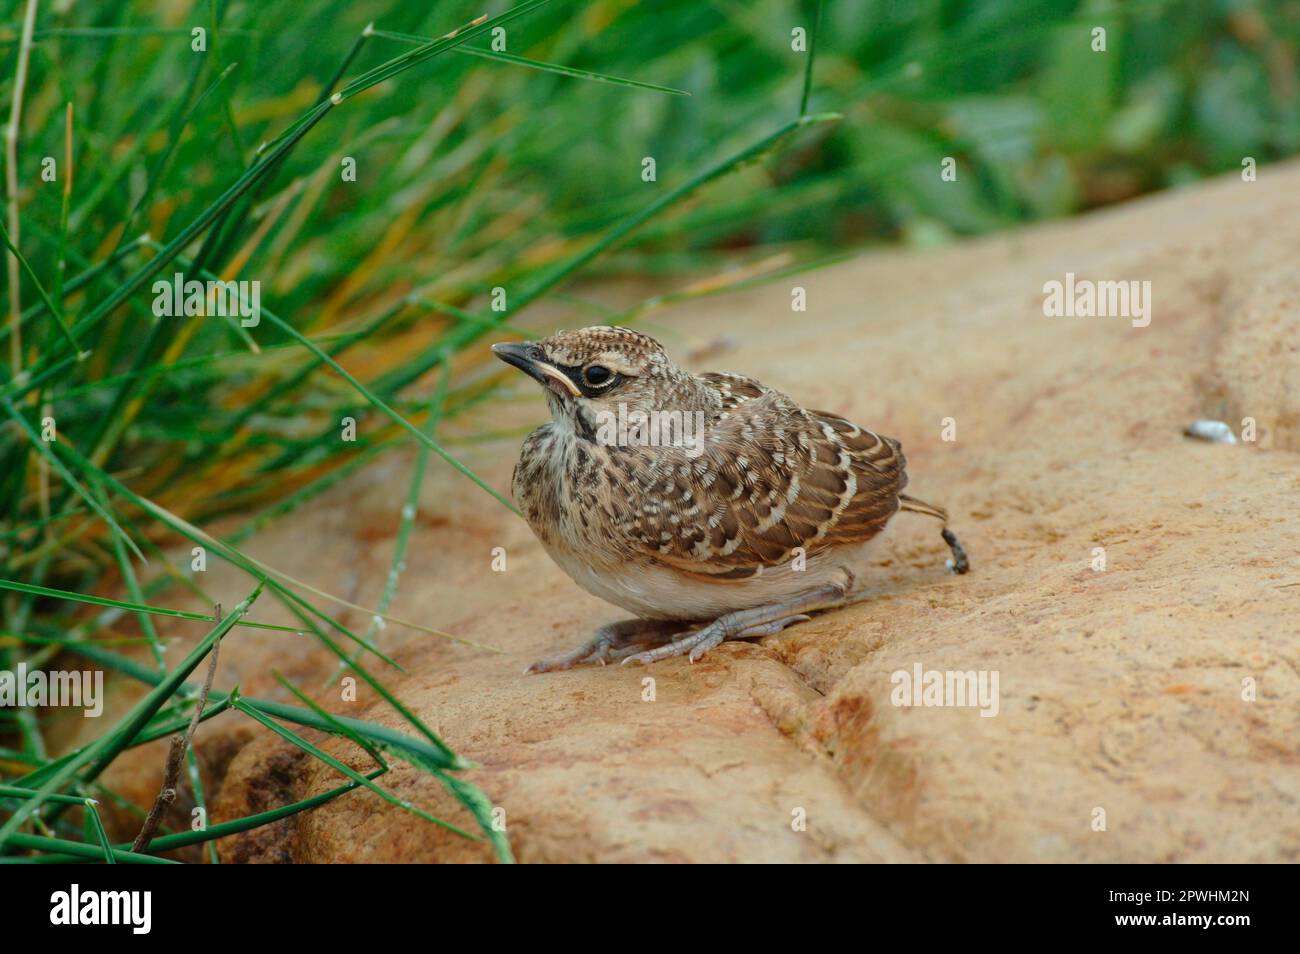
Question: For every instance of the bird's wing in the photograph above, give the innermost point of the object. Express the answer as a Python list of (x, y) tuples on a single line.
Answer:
[(733, 389), (772, 477)]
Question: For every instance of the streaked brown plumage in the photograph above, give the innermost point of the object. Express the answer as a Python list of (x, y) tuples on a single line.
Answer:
[(764, 519)]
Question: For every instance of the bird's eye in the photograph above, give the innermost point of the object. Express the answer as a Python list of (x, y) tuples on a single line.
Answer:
[(597, 375)]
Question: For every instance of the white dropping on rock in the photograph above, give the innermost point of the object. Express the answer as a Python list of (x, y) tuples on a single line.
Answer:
[(1216, 432)]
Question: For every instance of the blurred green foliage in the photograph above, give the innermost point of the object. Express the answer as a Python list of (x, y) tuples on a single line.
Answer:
[(1040, 124)]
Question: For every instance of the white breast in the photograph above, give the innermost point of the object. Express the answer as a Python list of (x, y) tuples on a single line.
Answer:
[(651, 591)]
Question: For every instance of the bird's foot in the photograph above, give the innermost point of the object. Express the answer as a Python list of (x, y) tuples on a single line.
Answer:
[(959, 562), (746, 624), (612, 642), (699, 642), (626, 641)]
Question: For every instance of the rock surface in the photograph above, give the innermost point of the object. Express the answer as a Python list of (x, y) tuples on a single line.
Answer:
[(1121, 690)]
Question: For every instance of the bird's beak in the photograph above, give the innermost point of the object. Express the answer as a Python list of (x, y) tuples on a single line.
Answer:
[(528, 359)]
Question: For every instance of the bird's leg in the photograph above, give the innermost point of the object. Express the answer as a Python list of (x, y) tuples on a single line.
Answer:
[(772, 628), (744, 624), (959, 563), (612, 641)]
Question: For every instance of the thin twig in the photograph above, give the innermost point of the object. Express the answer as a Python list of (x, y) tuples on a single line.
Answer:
[(176, 756), (11, 186)]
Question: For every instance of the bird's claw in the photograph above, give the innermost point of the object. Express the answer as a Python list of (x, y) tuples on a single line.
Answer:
[(692, 644)]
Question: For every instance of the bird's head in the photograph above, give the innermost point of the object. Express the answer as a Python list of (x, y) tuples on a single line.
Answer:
[(604, 370)]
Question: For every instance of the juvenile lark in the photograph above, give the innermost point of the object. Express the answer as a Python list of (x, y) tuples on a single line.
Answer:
[(733, 532)]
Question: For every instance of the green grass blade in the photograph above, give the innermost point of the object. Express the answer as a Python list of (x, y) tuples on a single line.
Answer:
[(68, 477), (290, 736), (537, 64), (338, 727), (96, 756), (808, 63), (40, 290), (563, 270), (98, 825), (33, 590), (249, 822), (79, 849), (18, 791)]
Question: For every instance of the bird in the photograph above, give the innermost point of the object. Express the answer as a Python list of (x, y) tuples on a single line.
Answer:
[(708, 505)]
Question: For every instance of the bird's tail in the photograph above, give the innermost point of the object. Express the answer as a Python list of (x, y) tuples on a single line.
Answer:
[(960, 563)]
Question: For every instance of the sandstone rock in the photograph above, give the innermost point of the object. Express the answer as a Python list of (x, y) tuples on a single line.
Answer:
[(1120, 690)]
